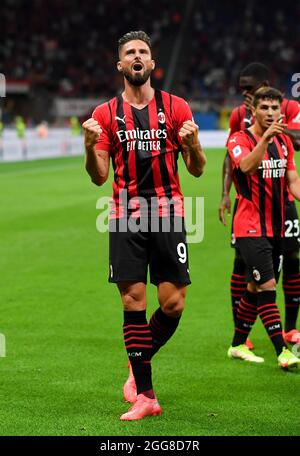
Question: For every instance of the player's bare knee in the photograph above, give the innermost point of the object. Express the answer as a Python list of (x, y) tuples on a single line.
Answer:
[(133, 296), (174, 306), (269, 285), (130, 303)]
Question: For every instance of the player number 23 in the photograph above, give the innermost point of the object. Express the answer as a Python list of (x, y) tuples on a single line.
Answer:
[(292, 228)]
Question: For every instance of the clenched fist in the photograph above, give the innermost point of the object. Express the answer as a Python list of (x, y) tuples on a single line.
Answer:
[(92, 132), (189, 133)]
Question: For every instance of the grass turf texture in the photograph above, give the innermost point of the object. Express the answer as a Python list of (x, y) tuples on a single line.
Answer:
[(65, 362)]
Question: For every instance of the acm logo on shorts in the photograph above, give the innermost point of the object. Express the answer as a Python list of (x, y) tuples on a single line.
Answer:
[(256, 275)]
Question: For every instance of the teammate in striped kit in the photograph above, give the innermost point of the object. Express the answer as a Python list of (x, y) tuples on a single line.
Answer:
[(143, 132), (263, 165), (252, 77)]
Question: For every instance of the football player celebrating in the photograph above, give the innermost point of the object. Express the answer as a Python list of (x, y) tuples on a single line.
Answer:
[(262, 158), (142, 131), (252, 77)]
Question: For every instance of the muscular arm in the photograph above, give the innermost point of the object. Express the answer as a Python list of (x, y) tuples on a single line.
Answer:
[(227, 175), (194, 159), (250, 163), (225, 204), (192, 152), (97, 165), (96, 161), (293, 181), (226, 186)]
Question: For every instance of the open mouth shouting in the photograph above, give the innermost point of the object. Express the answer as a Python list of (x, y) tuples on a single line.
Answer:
[(137, 66)]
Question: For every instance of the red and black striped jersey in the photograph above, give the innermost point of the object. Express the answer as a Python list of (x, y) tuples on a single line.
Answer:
[(241, 118), (260, 209), (144, 146)]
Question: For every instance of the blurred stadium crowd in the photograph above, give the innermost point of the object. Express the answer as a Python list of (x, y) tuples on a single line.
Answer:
[(64, 48), (225, 39)]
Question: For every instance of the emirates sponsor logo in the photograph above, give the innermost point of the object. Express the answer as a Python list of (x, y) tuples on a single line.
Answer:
[(142, 140), (153, 134), (273, 168), (273, 163)]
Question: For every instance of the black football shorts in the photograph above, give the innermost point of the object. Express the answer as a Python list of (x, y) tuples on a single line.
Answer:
[(292, 232), (291, 241), (161, 247), (263, 257)]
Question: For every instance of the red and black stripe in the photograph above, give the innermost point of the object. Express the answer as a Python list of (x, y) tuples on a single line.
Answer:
[(269, 314), (277, 194), (164, 170), (138, 343), (247, 313), (137, 336), (113, 157), (162, 328), (262, 193), (144, 174), (238, 285), (122, 127), (243, 184), (245, 318)]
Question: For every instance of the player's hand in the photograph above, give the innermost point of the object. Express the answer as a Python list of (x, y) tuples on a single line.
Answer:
[(92, 132), (225, 205), (274, 129), (248, 100), (189, 133)]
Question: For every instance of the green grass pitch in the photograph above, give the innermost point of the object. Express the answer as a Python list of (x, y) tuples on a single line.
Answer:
[(65, 362)]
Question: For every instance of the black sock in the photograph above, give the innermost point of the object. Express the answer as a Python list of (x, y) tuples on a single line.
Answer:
[(162, 328), (291, 288), (269, 314), (238, 286), (246, 316), (138, 343)]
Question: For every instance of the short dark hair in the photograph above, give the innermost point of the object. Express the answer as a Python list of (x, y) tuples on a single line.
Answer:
[(133, 35), (264, 93), (257, 70)]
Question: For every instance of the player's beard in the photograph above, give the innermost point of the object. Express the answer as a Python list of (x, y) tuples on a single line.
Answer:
[(137, 79)]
